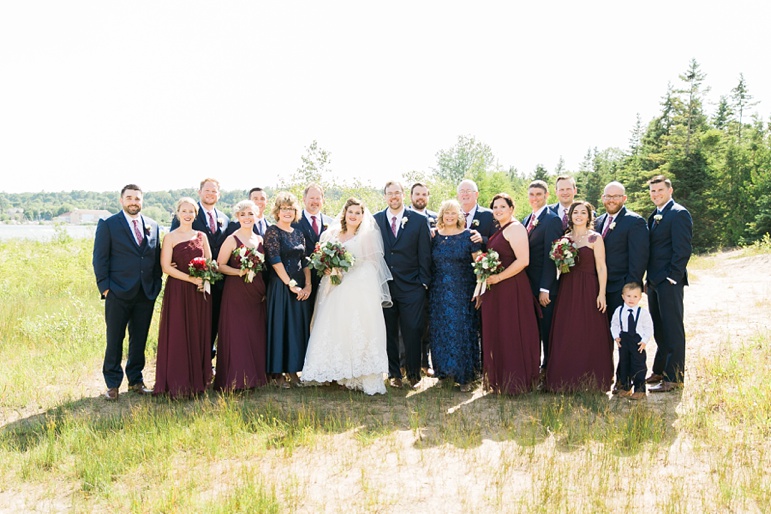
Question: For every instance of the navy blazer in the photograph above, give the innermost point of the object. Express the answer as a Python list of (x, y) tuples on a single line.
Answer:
[(201, 224), (310, 235), (123, 266), (670, 244), (484, 223), (431, 215), (626, 248), (542, 271), (408, 255)]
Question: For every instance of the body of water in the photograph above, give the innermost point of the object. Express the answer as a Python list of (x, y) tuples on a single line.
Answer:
[(45, 232)]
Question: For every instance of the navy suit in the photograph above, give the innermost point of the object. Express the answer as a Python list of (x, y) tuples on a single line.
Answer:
[(408, 256), (310, 245), (555, 208), (670, 250), (132, 274), (542, 272), (201, 223), (626, 253), (424, 341), (484, 223)]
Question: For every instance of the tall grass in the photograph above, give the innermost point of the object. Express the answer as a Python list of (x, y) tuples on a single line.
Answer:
[(321, 449)]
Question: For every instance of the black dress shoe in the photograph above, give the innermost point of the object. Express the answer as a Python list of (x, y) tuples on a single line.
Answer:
[(139, 388), (665, 387), (111, 395)]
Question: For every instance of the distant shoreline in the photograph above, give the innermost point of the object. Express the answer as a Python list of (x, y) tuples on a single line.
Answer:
[(44, 232)]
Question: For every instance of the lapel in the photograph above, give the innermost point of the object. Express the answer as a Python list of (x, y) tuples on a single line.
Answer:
[(385, 227), (402, 226), (652, 222), (616, 219)]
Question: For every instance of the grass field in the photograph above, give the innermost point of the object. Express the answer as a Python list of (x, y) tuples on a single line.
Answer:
[(62, 448)]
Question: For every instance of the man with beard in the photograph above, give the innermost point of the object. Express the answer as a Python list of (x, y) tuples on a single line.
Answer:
[(626, 244), (419, 196), (127, 265)]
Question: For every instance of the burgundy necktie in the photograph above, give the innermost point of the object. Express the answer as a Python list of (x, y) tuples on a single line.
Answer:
[(212, 225), (607, 227), (531, 223), (465, 218), (393, 225), (138, 233), (315, 225), (565, 220)]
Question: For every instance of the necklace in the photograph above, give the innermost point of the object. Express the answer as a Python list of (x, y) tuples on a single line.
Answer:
[(580, 239)]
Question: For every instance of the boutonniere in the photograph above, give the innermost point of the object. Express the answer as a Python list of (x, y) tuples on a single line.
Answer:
[(612, 226), (147, 229), (220, 221), (535, 223), (404, 221), (657, 218), (475, 223), (325, 226)]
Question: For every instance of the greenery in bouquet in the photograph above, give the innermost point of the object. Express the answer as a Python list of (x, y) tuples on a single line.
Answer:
[(206, 269), (564, 253), (332, 256), (251, 260)]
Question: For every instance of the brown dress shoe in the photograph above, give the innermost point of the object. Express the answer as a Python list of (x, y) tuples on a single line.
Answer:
[(111, 394), (654, 379), (665, 387), (639, 395), (624, 393), (415, 383), (139, 388), (395, 382)]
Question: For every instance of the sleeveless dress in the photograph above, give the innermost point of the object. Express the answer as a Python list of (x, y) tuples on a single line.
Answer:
[(348, 333), (289, 319), (183, 365), (242, 332), (511, 346), (581, 348), (453, 322)]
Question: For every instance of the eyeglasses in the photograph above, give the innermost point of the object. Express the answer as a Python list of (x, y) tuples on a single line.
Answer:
[(466, 191), (393, 194), (613, 197), (287, 209)]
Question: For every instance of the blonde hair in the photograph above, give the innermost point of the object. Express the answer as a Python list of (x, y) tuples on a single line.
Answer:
[(243, 205), (285, 198), (446, 206), (186, 199)]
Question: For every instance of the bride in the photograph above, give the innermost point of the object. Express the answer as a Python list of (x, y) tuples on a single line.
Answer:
[(348, 335)]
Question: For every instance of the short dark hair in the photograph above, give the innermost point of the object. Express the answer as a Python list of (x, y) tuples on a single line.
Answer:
[(540, 184), (418, 184), (503, 196), (659, 179), (393, 183), (565, 177), (254, 190), (130, 186), (631, 285)]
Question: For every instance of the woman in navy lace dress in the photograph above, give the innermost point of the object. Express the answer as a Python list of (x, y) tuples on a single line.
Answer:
[(452, 319), (289, 311)]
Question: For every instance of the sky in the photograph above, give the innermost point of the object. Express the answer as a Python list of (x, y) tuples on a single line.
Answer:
[(95, 95)]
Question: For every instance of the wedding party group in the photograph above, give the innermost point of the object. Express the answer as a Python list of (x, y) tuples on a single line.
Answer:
[(362, 300)]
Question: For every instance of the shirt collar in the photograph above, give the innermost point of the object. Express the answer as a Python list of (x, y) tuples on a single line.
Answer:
[(537, 213)]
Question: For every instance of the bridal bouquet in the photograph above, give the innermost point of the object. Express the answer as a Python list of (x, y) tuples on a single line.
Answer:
[(332, 256), (251, 261), (206, 269), (485, 265), (564, 253)]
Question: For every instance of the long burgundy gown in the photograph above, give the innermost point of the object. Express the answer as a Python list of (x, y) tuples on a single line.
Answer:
[(511, 346), (242, 332), (183, 366), (580, 347)]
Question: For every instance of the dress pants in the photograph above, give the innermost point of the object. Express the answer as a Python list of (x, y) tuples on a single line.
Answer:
[(136, 314), (665, 301)]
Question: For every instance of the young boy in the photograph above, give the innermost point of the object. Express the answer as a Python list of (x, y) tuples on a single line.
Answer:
[(631, 328)]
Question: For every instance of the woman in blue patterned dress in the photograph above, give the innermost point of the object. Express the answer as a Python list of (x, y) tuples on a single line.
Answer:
[(289, 311), (453, 322)]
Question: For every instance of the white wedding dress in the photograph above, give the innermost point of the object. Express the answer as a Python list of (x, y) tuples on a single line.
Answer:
[(348, 334)]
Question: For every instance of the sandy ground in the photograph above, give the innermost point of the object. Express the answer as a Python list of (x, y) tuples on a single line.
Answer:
[(725, 305)]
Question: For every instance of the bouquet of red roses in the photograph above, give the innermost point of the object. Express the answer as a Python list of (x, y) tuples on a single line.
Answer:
[(564, 253), (332, 256), (250, 260), (485, 265), (207, 269)]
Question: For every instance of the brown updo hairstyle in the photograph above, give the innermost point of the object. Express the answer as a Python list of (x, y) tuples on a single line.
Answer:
[(589, 207), (450, 205), (348, 203), (286, 199), (503, 196)]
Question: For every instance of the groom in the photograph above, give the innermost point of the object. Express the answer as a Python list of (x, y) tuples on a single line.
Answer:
[(127, 265), (407, 247)]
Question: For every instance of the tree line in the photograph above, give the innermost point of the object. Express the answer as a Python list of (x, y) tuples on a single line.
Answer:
[(719, 163)]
